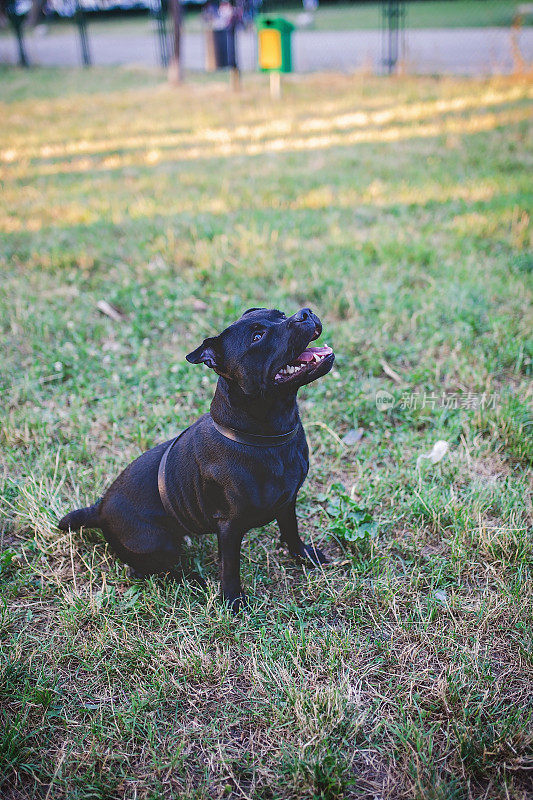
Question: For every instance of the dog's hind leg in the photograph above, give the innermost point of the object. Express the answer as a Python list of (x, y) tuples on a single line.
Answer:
[(150, 543), (157, 551), (288, 527), (147, 543)]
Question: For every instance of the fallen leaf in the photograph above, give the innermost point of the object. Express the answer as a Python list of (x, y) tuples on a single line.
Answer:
[(438, 452), (388, 370), (110, 311), (440, 449), (353, 436)]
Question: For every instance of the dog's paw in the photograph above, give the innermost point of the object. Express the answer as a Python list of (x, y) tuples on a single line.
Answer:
[(237, 605), (314, 555), (190, 576), (135, 575)]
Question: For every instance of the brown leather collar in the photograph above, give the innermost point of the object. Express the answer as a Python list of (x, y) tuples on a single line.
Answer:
[(256, 440)]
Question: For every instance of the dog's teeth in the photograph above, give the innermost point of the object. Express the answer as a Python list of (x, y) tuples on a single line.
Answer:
[(289, 369)]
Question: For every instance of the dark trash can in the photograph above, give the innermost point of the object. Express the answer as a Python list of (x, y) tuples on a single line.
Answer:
[(221, 44)]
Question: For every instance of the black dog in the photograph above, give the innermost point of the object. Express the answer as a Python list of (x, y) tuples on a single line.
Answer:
[(237, 468)]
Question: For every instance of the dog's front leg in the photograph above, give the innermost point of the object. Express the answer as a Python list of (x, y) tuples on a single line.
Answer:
[(288, 527), (229, 554)]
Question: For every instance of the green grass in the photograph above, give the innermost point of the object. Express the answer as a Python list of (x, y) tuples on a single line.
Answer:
[(399, 210)]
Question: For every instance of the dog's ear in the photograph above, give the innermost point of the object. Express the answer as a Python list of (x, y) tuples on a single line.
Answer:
[(207, 353)]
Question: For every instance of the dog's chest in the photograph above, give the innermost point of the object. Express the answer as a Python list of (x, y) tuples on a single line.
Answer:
[(257, 482)]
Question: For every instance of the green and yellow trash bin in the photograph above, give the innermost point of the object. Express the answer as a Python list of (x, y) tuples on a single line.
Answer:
[(274, 44)]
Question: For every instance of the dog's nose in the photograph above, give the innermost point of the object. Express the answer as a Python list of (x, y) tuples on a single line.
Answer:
[(303, 315), (306, 317)]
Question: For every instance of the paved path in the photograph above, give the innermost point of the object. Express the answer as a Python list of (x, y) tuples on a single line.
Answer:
[(471, 51)]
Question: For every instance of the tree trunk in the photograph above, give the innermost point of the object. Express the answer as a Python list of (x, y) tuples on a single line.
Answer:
[(174, 68)]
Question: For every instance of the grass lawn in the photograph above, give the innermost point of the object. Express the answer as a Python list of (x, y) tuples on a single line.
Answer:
[(399, 211)]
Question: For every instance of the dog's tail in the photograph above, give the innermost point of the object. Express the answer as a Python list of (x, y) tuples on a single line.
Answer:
[(86, 517)]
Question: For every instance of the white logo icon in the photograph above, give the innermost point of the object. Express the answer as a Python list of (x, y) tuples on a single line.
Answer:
[(384, 400)]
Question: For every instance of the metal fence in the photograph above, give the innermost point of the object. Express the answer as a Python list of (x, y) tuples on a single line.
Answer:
[(380, 37)]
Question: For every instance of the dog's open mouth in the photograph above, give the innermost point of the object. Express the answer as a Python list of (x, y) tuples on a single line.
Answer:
[(306, 362)]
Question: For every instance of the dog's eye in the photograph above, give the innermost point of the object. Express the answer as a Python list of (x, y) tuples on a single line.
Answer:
[(258, 335)]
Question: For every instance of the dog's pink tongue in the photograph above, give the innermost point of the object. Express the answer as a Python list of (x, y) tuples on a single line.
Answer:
[(314, 354)]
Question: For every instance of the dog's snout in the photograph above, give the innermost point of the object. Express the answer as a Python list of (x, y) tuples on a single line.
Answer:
[(305, 318), (304, 315)]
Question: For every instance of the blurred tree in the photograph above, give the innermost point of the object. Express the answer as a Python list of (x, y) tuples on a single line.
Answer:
[(174, 70)]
